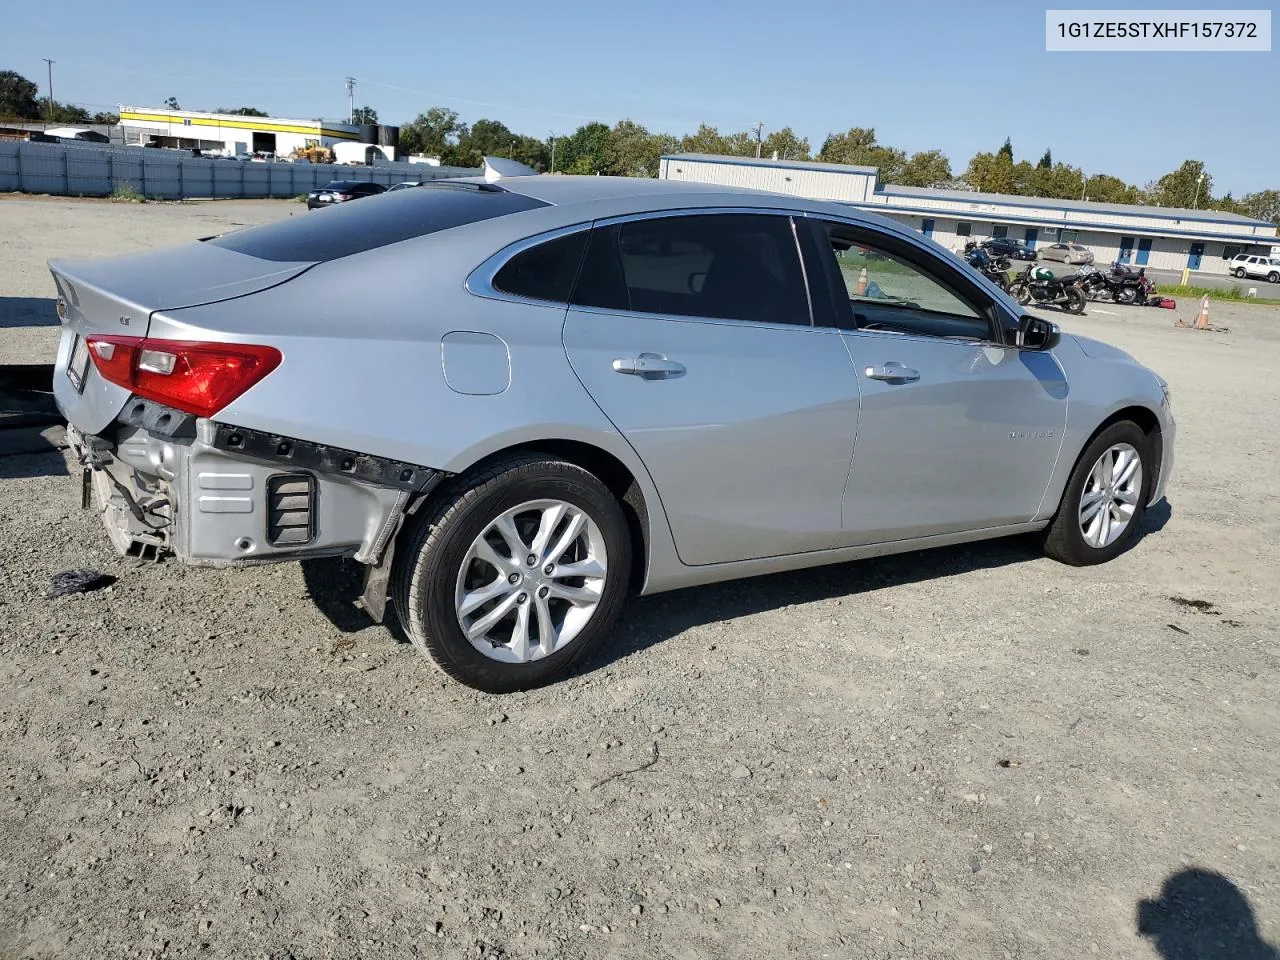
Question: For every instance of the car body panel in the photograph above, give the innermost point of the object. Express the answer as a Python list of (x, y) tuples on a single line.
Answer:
[(756, 400), (970, 444)]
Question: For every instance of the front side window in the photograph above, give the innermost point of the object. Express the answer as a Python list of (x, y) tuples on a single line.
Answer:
[(892, 291), (718, 266)]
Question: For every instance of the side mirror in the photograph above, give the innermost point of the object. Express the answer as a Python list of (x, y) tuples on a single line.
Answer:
[(1035, 333)]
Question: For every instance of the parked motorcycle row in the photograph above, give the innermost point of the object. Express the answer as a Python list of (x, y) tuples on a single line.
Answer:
[(1038, 285)]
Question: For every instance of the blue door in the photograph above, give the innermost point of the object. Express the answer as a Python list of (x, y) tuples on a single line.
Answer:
[(1144, 251), (1126, 249), (926, 227), (1032, 233), (1193, 258)]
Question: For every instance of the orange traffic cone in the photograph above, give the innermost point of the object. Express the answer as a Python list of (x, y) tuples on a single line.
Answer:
[(860, 287), (1202, 321)]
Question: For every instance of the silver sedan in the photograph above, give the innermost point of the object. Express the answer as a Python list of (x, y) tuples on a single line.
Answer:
[(516, 402), (1070, 252)]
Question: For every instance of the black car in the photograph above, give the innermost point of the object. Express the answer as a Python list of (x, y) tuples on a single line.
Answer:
[(1008, 247), (340, 191)]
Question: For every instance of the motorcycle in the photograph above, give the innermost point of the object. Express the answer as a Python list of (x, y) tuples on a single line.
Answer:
[(1098, 285), (1038, 285), (994, 269)]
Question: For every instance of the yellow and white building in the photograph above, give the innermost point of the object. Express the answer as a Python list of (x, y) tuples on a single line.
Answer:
[(232, 134)]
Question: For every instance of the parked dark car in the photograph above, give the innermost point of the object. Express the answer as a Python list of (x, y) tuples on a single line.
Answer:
[(1008, 247), (340, 191)]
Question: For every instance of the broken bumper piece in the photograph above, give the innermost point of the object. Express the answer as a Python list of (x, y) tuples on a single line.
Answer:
[(226, 496)]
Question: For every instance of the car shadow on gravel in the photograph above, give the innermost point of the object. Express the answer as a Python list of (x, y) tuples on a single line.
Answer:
[(651, 620), (1201, 915), (334, 584)]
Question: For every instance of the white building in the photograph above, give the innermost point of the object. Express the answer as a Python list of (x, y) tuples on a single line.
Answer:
[(232, 133), (1159, 237)]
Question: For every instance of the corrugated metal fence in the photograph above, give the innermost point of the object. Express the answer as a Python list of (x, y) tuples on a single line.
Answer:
[(65, 169)]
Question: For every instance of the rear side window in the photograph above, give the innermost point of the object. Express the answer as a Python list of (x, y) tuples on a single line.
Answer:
[(721, 266), (355, 227), (544, 272)]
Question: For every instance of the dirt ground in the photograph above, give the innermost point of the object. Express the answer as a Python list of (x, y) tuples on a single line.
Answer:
[(970, 752)]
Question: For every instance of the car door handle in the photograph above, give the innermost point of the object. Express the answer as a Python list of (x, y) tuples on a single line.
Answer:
[(892, 371), (651, 366)]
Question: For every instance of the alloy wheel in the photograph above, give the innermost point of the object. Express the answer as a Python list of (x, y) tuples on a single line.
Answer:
[(531, 581), (1110, 495)]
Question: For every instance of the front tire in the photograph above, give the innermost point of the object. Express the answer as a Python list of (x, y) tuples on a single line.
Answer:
[(1240, 274), (1105, 498), (1273, 277), (1020, 291), (515, 575)]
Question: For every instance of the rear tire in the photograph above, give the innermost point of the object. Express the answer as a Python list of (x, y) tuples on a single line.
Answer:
[(1074, 536), (1075, 300), (461, 549)]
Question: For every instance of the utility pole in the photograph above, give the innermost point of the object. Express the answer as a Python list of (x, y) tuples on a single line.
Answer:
[(351, 100), (50, 63), (758, 127), (553, 150), (1084, 186)]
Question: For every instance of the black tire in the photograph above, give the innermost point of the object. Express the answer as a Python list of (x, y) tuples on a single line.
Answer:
[(429, 560), (1063, 539), (1075, 300), (1020, 291), (1273, 277), (1240, 274)]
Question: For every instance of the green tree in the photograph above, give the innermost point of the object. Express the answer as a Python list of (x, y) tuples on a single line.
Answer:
[(1046, 162), (785, 145), (926, 169), (1006, 150), (1264, 205), (585, 151), (858, 146), (1188, 186), (18, 97), (362, 115), (1059, 180), (432, 133), (632, 151), (105, 117), (990, 173), (1108, 189), (69, 113), (704, 140), (240, 111), (172, 103)]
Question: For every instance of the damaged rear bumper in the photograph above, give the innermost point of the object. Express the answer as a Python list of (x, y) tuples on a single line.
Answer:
[(226, 496)]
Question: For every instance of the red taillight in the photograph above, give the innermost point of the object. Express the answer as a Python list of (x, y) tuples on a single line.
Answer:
[(194, 377)]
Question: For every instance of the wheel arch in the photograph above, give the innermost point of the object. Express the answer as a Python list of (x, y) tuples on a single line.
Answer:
[(1147, 421), (611, 471)]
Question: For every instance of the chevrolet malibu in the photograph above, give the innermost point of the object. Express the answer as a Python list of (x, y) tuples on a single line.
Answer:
[(517, 401)]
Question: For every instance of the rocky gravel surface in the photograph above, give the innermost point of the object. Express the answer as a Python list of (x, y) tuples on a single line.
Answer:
[(970, 752)]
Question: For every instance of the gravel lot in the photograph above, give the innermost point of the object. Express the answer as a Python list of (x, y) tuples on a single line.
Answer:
[(970, 752)]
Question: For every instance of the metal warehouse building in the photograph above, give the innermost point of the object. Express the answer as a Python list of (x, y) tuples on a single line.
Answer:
[(239, 135), (1159, 237)]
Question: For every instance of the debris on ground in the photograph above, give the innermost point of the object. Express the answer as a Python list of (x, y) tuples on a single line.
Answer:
[(82, 580)]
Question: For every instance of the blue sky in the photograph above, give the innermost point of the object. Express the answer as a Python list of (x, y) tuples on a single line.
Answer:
[(924, 75)]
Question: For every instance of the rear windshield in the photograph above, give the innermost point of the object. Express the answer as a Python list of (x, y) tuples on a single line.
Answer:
[(341, 184), (348, 228)]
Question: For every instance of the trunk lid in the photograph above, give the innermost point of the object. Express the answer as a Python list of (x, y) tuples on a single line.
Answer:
[(118, 295)]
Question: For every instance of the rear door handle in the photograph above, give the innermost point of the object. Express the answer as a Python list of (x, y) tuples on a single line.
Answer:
[(892, 370), (651, 366)]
